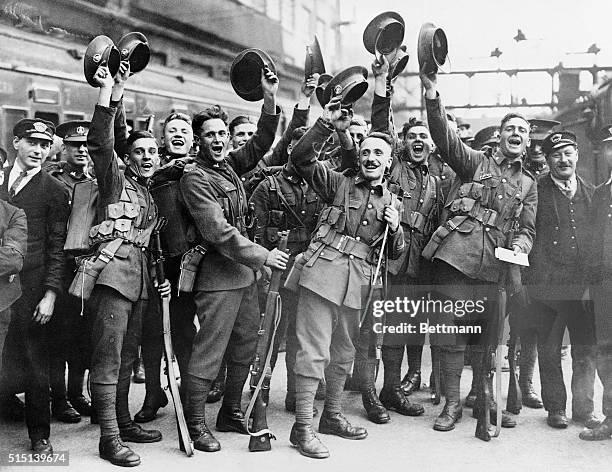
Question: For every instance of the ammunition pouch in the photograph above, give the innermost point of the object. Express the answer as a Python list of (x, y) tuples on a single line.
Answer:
[(190, 263), (90, 268), (414, 220)]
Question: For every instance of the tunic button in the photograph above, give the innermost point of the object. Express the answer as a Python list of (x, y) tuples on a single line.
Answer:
[(573, 227), (303, 212), (518, 195), (609, 215), (487, 229), (351, 257), (573, 237), (369, 205), (364, 222), (421, 200), (504, 180), (358, 238), (322, 252), (444, 178), (555, 243), (150, 217), (372, 191), (500, 197), (143, 249)]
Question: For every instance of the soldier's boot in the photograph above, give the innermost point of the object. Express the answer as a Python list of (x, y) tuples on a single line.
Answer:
[(76, 376), (375, 410), (412, 380), (61, 409), (231, 417), (391, 396), (304, 438), (218, 386), (139, 371), (527, 362), (452, 411), (601, 432), (302, 435), (476, 362), (195, 414), (155, 397)]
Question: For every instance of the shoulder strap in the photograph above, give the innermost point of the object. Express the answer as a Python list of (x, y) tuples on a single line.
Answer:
[(283, 200)]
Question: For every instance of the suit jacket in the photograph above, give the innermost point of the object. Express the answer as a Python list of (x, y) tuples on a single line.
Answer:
[(559, 255), (13, 244), (599, 261), (45, 203)]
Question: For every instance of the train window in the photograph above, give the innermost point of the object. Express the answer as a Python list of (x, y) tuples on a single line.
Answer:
[(69, 116), (45, 95), (49, 116)]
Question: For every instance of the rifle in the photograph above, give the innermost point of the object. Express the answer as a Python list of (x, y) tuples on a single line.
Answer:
[(493, 356), (514, 403), (261, 373), (158, 261)]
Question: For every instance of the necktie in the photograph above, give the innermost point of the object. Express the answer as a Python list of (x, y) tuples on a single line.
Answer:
[(13, 190), (567, 190)]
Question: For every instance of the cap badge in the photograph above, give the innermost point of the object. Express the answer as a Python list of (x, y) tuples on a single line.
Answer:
[(337, 89), (124, 52), (97, 58), (496, 134), (80, 130), (555, 138), (40, 127)]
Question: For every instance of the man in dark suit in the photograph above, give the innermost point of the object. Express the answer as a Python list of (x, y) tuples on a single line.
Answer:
[(45, 202), (557, 279)]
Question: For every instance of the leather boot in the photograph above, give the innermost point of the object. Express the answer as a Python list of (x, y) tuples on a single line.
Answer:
[(231, 417), (529, 397), (303, 437), (338, 425), (152, 403), (601, 432), (81, 404), (135, 433), (527, 361), (394, 399), (216, 391), (375, 410), (139, 372), (411, 382), (112, 449), (195, 414), (63, 411), (451, 414), (557, 419)]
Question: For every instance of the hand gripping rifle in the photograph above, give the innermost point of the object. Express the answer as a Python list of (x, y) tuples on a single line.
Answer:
[(261, 373), (169, 353), (493, 356)]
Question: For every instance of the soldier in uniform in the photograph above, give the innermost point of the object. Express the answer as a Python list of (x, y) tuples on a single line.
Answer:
[(535, 160), (358, 129), (225, 287), (438, 166), (284, 202), (600, 288), (45, 202), (241, 129), (490, 195), (123, 287), (69, 344), (174, 156), (558, 276), (339, 261)]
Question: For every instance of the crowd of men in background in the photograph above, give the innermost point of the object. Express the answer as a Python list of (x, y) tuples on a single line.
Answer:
[(434, 199)]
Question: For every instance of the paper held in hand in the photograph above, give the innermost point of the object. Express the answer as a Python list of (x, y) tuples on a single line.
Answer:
[(507, 255)]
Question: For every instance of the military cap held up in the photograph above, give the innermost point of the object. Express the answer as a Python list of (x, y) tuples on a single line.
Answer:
[(432, 47), (351, 83), (384, 33), (245, 73), (34, 128), (101, 50), (73, 131), (320, 90), (313, 63), (558, 140), (134, 48)]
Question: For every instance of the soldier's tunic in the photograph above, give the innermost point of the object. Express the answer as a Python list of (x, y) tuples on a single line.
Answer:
[(489, 195), (119, 299), (13, 241), (225, 286), (442, 170), (26, 356), (556, 279), (340, 260), (599, 277), (285, 202)]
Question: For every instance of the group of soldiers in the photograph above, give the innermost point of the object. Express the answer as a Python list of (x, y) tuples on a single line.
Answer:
[(357, 201)]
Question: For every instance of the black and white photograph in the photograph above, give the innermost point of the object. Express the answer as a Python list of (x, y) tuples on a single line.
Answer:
[(306, 235)]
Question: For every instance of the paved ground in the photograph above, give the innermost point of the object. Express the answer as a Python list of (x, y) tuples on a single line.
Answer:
[(405, 443)]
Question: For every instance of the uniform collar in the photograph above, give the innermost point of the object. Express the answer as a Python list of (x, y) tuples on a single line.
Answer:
[(499, 159), (291, 176), (379, 189), (139, 180)]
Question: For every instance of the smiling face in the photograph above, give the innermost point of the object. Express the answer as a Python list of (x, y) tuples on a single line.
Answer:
[(76, 154), (178, 137), (514, 137), (31, 152), (242, 133), (535, 153), (214, 139), (357, 132), (562, 162), (374, 159), (419, 144), (143, 159)]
